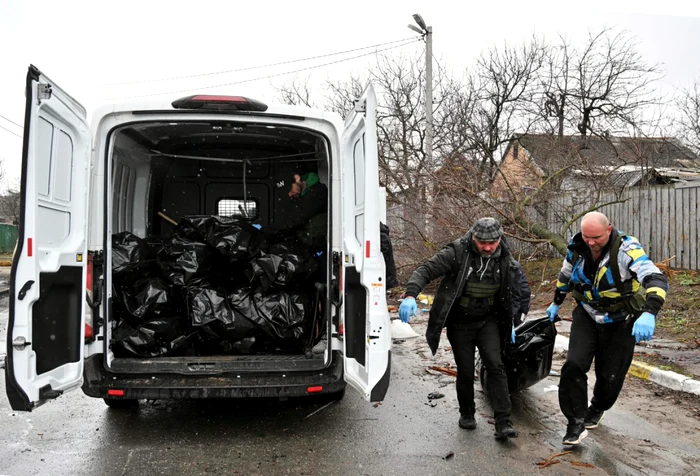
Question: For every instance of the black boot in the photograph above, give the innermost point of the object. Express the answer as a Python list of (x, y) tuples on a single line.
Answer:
[(467, 422), (505, 430)]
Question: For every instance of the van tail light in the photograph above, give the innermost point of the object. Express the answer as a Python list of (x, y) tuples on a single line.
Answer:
[(341, 330)]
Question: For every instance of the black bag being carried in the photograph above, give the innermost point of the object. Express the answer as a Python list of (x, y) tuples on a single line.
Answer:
[(529, 360)]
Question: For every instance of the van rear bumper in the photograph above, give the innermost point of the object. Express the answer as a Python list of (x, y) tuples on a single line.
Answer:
[(98, 381)]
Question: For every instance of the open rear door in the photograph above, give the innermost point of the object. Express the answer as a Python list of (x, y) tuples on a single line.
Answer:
[(46, 324), (367, 342)]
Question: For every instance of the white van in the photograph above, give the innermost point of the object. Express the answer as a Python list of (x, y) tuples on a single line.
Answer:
[(138, 167)]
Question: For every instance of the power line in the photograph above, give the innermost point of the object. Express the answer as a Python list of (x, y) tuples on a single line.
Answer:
[(199, 88), (8, 130), (257, 67), (11, 121)]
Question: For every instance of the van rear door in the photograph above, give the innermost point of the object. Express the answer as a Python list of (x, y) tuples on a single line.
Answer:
[(367, 340), (46, 321)]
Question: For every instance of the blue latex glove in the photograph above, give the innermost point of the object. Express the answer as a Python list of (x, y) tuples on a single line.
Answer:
[(643, 327), (512, 335), (408, 305), (552, 311), (257, 226)]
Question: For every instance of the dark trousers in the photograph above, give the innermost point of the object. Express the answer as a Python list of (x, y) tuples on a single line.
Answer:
[(612, 346), (483, 334)]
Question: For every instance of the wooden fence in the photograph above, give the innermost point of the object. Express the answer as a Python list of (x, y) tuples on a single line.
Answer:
[(664, 219)]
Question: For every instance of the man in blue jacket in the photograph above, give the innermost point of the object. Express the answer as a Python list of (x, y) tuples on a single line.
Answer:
[(481, 291), (619, 292)]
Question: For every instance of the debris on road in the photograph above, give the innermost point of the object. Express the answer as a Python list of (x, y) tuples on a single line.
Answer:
[(552, 460), (323, 407), (444, 370), (435, 395), (449, 456), (581, 464)]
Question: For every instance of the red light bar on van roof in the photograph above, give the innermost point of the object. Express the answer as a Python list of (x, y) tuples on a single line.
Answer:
[(219, 103)]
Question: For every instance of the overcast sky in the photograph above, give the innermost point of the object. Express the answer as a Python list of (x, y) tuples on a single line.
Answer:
[(88, 46)]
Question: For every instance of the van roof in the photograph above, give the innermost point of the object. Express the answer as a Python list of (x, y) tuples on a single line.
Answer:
[(166, 105)]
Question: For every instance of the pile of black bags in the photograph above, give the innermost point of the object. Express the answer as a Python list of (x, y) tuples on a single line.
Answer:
[(215, 287)]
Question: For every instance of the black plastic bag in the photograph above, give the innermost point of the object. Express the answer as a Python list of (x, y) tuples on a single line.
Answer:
[(278, 315), (152, 338), (233, 238), (132, 257), (283, 270), (185, 262), (295, 269), (210, 342), (210, 309), (148, 297), (265, 269), (529, 360)]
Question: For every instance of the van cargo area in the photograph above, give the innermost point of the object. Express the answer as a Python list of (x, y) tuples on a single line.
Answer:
[(207, 271)]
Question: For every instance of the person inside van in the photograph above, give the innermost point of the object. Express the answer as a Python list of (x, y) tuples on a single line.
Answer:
[(308, 219)]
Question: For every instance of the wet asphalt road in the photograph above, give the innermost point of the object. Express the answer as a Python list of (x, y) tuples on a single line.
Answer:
[(78, 435)]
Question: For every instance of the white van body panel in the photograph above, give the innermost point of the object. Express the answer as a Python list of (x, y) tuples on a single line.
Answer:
[(59, 241)]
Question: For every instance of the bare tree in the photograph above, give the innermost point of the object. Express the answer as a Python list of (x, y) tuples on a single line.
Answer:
[(340, 95), (296, 92), (503, 85), (612, 82), (10, 204), (688, 123), (555, 88)]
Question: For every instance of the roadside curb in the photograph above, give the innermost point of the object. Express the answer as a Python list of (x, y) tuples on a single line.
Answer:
[(641, 370), (4, 292)]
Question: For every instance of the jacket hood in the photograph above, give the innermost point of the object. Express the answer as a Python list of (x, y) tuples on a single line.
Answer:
[(311, 179)]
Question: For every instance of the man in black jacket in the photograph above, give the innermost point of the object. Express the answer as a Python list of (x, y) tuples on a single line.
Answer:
[(308, 219), (481, 291)]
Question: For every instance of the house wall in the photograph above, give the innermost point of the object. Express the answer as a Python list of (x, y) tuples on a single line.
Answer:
[(519, 171)]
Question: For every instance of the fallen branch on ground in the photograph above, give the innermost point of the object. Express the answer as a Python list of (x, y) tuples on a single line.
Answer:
[(444, 370), (551, 460)]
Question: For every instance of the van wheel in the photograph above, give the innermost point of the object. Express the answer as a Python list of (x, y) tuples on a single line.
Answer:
[(121, 403)]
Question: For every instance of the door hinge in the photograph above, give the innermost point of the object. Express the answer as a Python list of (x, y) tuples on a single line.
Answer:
[(20, 343), (360, 105), (43, 91)]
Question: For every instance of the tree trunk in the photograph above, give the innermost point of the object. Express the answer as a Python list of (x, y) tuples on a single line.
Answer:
[(540, 231)]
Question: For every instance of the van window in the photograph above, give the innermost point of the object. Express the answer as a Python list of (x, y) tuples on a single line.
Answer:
[(237, 208)]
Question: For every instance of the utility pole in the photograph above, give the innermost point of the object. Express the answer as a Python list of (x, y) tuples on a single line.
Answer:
[(427, 32)]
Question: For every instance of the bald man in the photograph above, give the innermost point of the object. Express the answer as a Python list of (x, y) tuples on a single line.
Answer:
[(607, 321)]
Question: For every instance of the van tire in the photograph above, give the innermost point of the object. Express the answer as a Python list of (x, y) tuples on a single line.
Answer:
[(121, 403)]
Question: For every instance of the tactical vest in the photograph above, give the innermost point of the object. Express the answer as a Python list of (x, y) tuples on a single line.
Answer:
[(480, 292), (629, 302)]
